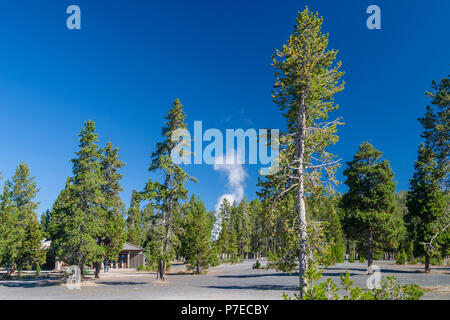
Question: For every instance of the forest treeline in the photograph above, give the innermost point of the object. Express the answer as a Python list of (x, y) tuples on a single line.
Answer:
[(297, 219)]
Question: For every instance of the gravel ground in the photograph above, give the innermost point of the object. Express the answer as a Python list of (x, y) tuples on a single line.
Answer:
[(226, 281)]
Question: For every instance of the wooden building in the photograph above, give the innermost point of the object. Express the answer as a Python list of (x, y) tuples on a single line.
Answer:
[(131, 256)]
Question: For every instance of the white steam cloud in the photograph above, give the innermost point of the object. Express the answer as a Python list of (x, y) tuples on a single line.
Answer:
[(235, 175)]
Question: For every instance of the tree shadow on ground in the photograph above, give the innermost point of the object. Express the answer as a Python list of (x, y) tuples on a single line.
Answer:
[(29, 284), (256, 287), (295, 274), (120, 283)]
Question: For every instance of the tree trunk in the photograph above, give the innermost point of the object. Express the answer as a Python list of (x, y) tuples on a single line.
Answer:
[(163, 270), (97, 270), (161, 274), (427, 262), (301, 207), (370, 253)]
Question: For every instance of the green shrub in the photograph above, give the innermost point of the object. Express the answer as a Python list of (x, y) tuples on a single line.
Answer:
[(413, 260), (377, 255), (401, 257), (361, 259), (143, 268), (410, 252), (389, 289), (436, 261), (338, 251), (256, 265), (351, 258), (38, 270)]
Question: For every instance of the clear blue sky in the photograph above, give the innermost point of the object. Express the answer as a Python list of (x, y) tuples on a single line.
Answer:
[(131, 59)]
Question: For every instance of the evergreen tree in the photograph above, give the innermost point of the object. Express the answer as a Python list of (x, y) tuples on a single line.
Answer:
[(10, 234), (426, 207), (112, 235), (165, 196), (325, 210), (197, 235), (77, 222), (370, 203), (306, 81), (44, 223), (436, 123), (134, 228), (427, 218), (24, 190), (243, 228), (259, 229)]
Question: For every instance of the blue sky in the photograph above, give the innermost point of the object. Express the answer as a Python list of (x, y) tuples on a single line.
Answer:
[(131, 59)]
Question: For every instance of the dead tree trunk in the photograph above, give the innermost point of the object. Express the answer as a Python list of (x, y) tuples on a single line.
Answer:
[(301, 207)]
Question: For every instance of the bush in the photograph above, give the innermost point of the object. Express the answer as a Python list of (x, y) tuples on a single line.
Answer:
[(351, 258), (38, 270), (401, 257), (377, 255), (389, 289), (256, 265), (338, 251), (410, 252), (361, 259), (436, 261), (144, 268)]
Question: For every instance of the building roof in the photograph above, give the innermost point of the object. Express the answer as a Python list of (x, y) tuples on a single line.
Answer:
[(126, 246), (131, 247)]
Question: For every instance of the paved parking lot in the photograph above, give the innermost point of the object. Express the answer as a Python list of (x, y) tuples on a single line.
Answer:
[(226, 281)]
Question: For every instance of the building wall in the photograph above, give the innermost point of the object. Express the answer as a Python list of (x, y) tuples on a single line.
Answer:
[(136, 259)]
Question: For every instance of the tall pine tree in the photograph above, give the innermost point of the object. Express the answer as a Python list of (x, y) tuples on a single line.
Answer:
[(197, 238), (436, 124), (87, 225), (166, 195), (426, 207), (24, 190), (370, 203), (307, 78), (10, 234)]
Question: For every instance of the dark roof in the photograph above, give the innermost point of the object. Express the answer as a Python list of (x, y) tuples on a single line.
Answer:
[(131, 247)]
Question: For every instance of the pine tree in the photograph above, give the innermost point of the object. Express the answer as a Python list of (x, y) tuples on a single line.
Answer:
[(224, 237), (24, 190), (436, 123), (426, 206), (165, 196), (10, 234), (86, 224), (112, 235), (306, 81), (428, 217), (325, 210), (134, 228), (258, 237), (370, 203), (76, 226), (44, 223), (197, 238)]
